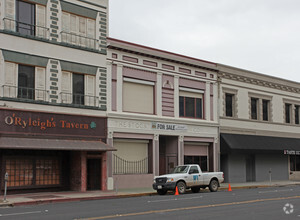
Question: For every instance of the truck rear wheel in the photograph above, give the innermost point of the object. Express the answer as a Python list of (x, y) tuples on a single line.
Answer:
[(161, 191), (213, 185), (196, 189), (181, 187)]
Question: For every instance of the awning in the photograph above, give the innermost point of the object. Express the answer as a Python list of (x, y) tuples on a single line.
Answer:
[(254, 142), (53, 144)]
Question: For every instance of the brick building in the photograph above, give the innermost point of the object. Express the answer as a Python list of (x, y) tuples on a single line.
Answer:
[(53, 94)]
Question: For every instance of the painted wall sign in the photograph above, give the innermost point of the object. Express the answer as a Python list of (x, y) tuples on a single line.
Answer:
[(14, 121), (168, 127), (291, 152)]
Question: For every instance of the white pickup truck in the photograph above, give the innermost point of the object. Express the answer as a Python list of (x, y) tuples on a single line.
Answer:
[(188, 176)]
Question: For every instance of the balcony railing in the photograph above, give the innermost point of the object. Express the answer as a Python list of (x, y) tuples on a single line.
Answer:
[(122, 166), (25, 93), (79, 40), (26, 29), (79, 99)]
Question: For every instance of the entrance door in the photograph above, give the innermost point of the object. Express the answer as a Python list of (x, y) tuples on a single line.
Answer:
[(250, 168), (94, 174)]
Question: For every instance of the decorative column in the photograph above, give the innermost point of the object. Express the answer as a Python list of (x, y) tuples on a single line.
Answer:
[(109, 162), (119, 87), (181, 150), (156, 155), (176, 96), (159, 94), (108, 85), (207, 101)]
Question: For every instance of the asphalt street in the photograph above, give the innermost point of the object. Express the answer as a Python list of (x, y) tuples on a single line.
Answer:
[(260, 203)]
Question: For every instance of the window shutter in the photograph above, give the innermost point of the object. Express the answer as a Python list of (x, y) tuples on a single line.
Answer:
[(10, 15), (41, 21), (10, 80), (73, 28), (82, 31), (40, 84), (90, 98), (91, 26), (138, 98), (66, 87), (65, 27)]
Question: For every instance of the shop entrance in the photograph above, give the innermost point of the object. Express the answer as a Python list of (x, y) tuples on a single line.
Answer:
[(168, 154), (93, 174)]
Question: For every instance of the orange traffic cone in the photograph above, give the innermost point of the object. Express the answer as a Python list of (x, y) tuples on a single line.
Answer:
[(229, 188), (176, 191)]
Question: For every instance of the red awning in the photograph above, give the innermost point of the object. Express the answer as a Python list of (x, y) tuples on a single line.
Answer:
[(53, 144)]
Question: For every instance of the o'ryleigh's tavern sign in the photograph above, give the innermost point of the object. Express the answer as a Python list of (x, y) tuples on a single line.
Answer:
[(13, 121)]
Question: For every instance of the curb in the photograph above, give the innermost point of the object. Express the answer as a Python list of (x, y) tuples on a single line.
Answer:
[(57, 200), (6, 204), (48, 201)]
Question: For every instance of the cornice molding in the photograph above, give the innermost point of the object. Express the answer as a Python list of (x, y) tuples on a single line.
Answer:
[(258, 82)]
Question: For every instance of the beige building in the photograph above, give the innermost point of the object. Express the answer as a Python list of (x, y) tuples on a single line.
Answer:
[(259, 126), (162, 111)]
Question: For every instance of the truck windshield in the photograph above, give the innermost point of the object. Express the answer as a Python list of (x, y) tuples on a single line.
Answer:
[(181, 169)]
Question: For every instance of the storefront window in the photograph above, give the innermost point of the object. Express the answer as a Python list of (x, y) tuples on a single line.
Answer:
[(295, 162), (32, 171), (20, 172), (47, 172)]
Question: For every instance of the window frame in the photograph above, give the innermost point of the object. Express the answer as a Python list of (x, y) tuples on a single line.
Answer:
[(234, 94), (195, 107), (254, 115), (260, 99)]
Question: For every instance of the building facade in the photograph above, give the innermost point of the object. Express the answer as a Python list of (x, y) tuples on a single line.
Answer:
[(259, 126), (53, 98), (162, 111)]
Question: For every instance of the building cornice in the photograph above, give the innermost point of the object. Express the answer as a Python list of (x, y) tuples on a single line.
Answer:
[(261, 82)]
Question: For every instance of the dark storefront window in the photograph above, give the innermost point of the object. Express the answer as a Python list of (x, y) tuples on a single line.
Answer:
[(288, 113), (254, 110), (201, 160), (297, 108), (265, 105), (26, 82), (190, 107), (78, 89), (32, 171), (229, 104), (295, 162), (25, 13)]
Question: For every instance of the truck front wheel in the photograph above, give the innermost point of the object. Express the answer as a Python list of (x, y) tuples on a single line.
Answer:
[(213, 185), (161, 191), (181, 187)]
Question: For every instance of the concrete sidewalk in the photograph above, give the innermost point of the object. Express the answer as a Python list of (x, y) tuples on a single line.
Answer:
[(68, 196)]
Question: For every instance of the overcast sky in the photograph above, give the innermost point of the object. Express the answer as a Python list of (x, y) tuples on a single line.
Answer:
[(257, 35)]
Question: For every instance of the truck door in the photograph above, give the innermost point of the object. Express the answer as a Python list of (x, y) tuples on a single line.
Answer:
[(195, 177)]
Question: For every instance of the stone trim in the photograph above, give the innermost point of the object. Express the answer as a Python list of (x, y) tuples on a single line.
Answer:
[(258, 82), (102, 88), (54, 9), (54, 70)]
